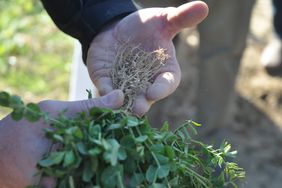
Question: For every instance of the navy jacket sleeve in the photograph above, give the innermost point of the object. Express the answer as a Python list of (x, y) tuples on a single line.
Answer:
[(82, 19)]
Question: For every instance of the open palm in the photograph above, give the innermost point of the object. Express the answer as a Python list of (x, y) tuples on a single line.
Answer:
[(151, 28)]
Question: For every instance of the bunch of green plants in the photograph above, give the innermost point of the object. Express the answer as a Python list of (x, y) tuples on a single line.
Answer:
[(106, 148)]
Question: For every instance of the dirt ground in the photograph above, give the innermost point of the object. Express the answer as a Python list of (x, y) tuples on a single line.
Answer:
[(255, 126)]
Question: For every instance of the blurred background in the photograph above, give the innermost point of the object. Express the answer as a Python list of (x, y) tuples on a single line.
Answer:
[(36, 58)]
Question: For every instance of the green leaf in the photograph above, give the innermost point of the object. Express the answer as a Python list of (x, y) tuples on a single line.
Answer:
[(140, 150), (114, 126), (187, 135), (109, 177), (95, 151), (157, 185), (193, 130), (58, 138), (141, 139), (127, 141), (17, 114), (111, 155), (4, 99), (81, 148), (122, 154), (165, 127), (174, 182), (132, 121), (157, 148), (63, 184), (99, 112), (181, 135), (163, 171), (151, 173), (94, 131), (53, 159), (69, 158), (53, 172), (130, 166), (162, 159), (169, 152), (94, 164), (33, 112), (15, 101), (78, 133), (87, 172), (136, 179), (227, 148)]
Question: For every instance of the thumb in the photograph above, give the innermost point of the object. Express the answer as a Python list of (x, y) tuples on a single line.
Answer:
[(186, 15), (112, 100)]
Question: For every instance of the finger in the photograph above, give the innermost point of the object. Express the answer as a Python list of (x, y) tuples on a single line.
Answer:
[(104, 85), (186, 15), (165, 84), (141, 105), (112, 100)]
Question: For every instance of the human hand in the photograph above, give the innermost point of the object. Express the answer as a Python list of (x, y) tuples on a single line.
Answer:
[(151, 28), (22, 143)]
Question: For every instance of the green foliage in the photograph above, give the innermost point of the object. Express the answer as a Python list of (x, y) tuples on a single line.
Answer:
[(110, 149), (34, 50)]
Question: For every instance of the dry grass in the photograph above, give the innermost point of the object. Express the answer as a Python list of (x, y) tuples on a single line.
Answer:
[(134, 70)]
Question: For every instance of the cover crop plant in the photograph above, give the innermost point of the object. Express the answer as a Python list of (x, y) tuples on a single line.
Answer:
[(103, 148)]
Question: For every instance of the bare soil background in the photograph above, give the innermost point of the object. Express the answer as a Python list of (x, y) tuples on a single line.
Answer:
[(255, 125)]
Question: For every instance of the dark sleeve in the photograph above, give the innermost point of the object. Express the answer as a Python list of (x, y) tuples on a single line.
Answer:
[(82, 19)]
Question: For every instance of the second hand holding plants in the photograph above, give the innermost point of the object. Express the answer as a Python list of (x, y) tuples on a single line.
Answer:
[(105, 148)]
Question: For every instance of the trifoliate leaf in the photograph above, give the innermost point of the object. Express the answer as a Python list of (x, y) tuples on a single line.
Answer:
[(53, 159)]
